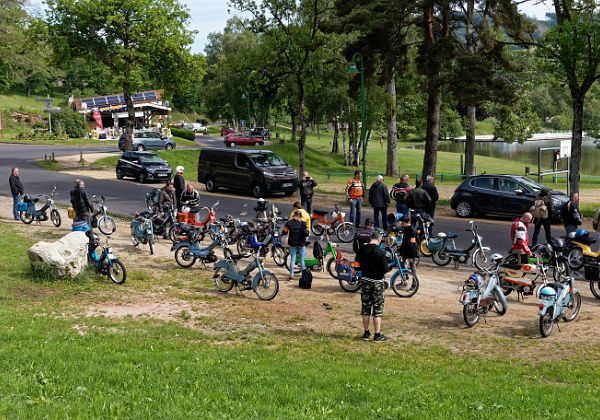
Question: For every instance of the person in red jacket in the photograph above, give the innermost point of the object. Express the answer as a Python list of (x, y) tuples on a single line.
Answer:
[(519, 236)]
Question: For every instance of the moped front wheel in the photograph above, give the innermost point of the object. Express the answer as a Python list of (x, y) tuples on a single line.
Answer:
[(221, 283), (404, 285), (267, 287), (561, 269), (134, 239), (424, 248), (499, 305), (55, 217), (279, 256), (345, 232), (573, 307), (332, 267), (107, 225), (316, 228), (482, 258), (117, 272), (595, 288), (183, 257), (441, 258), (350, 285), (546, 323), (471, 314)]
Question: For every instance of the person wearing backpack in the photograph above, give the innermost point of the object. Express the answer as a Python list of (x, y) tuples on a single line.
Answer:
[(297, 234), (542, 216), (570, 213), (362, 235)]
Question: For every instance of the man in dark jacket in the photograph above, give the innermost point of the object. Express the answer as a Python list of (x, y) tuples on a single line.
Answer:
[(409, 249), (571, 215), (82, 204), (16, 189), (166, 197), (419, 200), (179, 184), (307, 186), (379, 199), (400, 193), (190, 197), (429, 186)]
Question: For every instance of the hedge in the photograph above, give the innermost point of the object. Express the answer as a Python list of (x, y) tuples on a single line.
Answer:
[(185, 134)]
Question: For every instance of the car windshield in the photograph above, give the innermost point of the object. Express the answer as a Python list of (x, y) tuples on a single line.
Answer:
[(531, 184), (151, 160), (267, 159)]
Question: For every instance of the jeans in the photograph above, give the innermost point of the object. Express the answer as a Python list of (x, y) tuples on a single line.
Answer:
[(570, 228), (355, 206), (16, 200), (538, 226), (301, 252), (383, 212), (306, 204), (402, 208)]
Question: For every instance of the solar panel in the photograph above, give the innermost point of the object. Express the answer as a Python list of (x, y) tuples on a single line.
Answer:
[(112, 100), (101, 100), (150, 95), (137, 97)]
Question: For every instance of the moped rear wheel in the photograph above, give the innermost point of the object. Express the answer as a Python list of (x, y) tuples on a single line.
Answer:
[(575, 258), (279, 256), (332, 267), (55, 217), (316, 228), (183, 257), (117, 272), (26, 217), (405, 285), (242, 247), (561, 269), (482, 258), (424, 248), (471, 314), (350, 286), (345, 232), (222, 284), (267, 286), (595, 288), (107, 225), (441, 258), (546, 323), (574, 305)]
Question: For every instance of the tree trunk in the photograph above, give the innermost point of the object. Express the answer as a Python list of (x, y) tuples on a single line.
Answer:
[(302, 120), (336, 137), (470, 141), (344, 149), (576, 139), (434, 102), (351, 143), (367, 141), (391, 168), (130, 116), (318, 132)]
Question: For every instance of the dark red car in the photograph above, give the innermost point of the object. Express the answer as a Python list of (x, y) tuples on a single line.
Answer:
[(242, 139), (225, 131)]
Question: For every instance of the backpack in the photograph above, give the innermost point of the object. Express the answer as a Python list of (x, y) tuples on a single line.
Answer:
[(317, 250), (361, 238), (539, 210), (596, 220), (153, 197), (564, 211), (305, 279)]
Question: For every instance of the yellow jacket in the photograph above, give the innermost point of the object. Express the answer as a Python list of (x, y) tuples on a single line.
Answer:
[(305, 217)]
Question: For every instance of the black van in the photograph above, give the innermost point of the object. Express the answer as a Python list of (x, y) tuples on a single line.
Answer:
[(259, 171)]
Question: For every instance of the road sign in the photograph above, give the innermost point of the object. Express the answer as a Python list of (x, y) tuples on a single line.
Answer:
[(565, 148)]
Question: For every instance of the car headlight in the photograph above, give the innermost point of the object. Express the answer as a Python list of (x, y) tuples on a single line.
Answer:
[(267, 173), (151, 170)]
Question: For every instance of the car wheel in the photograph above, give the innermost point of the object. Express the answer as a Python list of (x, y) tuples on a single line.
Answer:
[(227, 144), (257, 190), (169, 146), (262, 143), (119, 174), (142, 177), (210, 185), (140, 148), (464, 209)]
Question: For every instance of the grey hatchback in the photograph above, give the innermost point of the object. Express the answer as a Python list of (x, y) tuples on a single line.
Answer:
[(147, 140)]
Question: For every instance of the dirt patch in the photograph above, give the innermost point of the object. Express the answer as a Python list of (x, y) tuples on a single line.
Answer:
[(163, 310)]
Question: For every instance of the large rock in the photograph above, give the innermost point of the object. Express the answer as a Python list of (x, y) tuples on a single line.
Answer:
[(62, 259)]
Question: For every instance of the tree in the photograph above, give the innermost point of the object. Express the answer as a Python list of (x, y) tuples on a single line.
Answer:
[(572, 50), (140, 41)]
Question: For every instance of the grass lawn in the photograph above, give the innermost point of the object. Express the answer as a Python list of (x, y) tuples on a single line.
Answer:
[(59, 363)]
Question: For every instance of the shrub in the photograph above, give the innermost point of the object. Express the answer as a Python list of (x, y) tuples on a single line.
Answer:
[(185, 134), (69, 122)]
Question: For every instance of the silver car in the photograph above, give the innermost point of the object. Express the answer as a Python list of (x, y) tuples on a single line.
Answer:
[(147, 140)]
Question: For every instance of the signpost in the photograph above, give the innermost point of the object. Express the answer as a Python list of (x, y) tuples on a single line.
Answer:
[(564, 152)]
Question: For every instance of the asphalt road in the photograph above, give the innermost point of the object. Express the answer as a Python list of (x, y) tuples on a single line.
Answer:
[(126, 197)]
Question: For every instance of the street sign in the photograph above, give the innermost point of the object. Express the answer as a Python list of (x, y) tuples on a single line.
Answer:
[(565, 148)]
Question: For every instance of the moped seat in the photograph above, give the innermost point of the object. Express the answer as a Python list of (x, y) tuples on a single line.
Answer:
[(452, 235), (320, 212), (237, 257)]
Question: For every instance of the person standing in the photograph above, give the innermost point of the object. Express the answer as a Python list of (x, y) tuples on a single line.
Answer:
[(519, 237), (166, 197), (399, 193), (570, 213), (542, 216), (355, 192), (409, 248), (297, 234), (179, 184), (429, 186), (419, 200), (82, 204), (379, 199), (307, 186), (16, 189), (305, 215), (373, 265), (190, 197)]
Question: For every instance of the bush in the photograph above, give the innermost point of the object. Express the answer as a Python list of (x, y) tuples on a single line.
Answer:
[(69, 122), (184, 134), (42, 134)]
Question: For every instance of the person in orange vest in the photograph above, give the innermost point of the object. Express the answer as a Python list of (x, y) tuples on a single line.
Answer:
[(355, 192)]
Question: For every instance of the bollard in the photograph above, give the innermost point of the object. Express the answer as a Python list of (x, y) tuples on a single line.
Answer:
[(45, 157), (53, 160), (527, 170)]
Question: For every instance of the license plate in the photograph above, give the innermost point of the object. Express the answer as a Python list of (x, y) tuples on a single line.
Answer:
[(110, 256), (162, 175), (287, 185)]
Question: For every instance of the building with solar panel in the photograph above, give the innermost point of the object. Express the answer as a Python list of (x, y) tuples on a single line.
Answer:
[(110, 111)]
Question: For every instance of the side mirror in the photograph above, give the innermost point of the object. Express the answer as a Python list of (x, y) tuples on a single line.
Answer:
[(519, 192)]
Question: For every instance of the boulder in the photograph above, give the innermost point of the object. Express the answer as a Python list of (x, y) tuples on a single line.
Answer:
[(63, 259)]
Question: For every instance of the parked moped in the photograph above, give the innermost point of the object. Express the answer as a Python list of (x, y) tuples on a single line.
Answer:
[(142, 231), (558, 301), (319, 224), (106, 263), (29, 213), (189, 251), (444, 250), (101, 219)]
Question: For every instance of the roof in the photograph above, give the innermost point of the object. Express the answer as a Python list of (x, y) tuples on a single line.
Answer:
[(230, 150)]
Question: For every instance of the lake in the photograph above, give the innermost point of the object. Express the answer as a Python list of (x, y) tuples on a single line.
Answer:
[(528, 153)]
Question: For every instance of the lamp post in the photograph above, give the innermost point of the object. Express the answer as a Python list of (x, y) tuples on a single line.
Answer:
[(246, 96), (354, 69)]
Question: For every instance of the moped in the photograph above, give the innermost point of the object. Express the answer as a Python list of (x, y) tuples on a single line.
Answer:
[(316, 262), (404, 281), (479, 298), (190, 217), (101, 219), (319, 224), (106, 263), (444, 250), (558, 301), (28, 211), (579, 249), (227, 274), (522, 278), (142, 231), (188, 251)]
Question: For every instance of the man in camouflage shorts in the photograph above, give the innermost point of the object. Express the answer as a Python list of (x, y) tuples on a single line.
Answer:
[(373, 265)]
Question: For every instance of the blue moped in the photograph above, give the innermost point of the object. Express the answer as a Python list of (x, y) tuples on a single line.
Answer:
[(558, 300)]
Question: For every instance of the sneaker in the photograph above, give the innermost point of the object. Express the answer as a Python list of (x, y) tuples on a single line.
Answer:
[(379, 337), (366, 335)]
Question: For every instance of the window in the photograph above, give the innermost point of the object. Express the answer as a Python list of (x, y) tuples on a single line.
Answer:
[(267, 159), (484, 183), (508, 185), (242, 161)]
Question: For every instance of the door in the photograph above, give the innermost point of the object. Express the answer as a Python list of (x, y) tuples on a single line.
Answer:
[(241, 174), (515, 197), (485, 190), (157, 142)]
